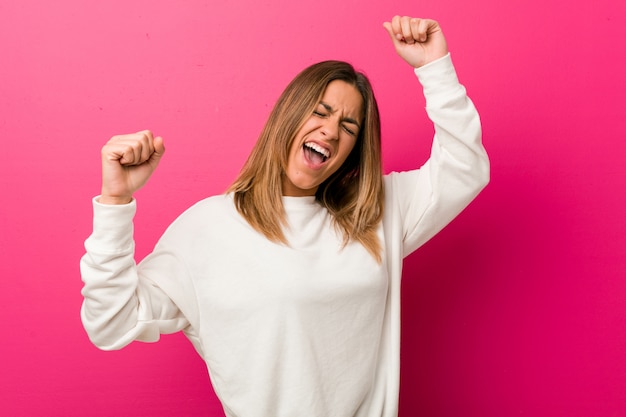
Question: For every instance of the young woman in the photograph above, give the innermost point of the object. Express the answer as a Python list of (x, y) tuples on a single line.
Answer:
[(288, 284)]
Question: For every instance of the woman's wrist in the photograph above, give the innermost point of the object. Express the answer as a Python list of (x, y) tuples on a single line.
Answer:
[(113, 200)]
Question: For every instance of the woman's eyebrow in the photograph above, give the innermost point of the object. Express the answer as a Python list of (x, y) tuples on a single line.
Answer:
[(327, 107), (345, 119)]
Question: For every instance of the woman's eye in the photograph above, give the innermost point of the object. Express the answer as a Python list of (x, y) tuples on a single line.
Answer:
[(318, 113), (350, 131)]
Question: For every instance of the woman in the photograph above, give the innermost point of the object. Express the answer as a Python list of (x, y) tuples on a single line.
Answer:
[(288, 285)]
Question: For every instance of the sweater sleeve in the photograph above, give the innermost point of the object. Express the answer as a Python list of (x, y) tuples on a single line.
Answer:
[(120, 303), (429, 198)]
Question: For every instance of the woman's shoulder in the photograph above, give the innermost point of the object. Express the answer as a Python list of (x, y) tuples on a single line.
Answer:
[(213, 205), (204, 211), (204, 221), (400, 181)]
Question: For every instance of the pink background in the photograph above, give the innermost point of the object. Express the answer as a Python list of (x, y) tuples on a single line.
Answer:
[(517, 308)]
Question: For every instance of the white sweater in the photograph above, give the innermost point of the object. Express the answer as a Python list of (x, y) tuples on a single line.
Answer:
[(308, 329)]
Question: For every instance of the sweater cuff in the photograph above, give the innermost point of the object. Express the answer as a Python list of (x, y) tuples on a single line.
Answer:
[(113, 224), (438, 79)]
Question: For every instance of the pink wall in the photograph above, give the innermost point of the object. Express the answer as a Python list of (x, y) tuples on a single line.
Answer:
[(517, 308)]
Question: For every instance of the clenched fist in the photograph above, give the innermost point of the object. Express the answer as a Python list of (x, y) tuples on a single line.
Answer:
[(417, 41), (127, 163)]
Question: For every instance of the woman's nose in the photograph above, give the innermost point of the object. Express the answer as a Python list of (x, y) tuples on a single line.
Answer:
[(330, 129)]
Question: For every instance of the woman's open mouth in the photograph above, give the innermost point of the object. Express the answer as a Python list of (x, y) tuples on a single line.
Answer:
[(315, 154)]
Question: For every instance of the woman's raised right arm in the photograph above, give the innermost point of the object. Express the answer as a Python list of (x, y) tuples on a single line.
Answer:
[(120, 306)]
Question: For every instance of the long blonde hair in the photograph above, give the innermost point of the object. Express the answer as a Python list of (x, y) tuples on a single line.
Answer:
[(353, 194)]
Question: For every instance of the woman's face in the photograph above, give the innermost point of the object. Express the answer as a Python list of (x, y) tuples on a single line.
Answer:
[(324, 141)]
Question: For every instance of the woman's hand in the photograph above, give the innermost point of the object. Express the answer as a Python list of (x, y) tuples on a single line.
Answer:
[(417, 41), (127, 163)]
